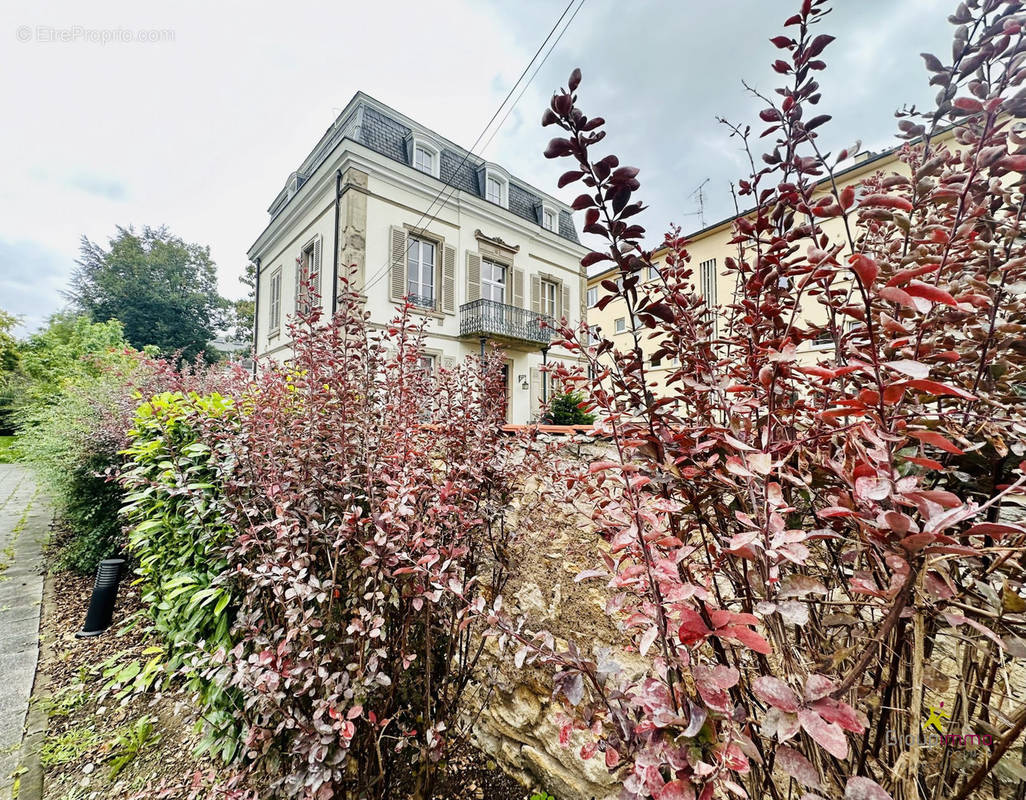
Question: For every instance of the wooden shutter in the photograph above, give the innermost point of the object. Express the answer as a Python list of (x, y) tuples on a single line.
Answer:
[(299, 282), (536, 390), (397, 256), (473, 276), (564, 304), (449, 280), (536, 294), (518, 288), (317, 282)]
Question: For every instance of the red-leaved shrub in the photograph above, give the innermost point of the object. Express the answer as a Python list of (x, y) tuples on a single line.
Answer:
[(809, 548), (368, 500)]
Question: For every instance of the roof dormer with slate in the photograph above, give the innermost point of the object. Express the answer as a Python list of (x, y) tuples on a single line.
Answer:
[(393, 135)]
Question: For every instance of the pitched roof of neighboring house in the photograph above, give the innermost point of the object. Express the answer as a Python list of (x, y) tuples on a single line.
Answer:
[(384, 130)]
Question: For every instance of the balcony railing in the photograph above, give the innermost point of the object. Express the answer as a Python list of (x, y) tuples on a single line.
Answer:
[(489, 318), (422, 301)]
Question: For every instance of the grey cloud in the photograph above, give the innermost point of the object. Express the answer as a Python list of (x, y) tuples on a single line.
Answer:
[(31, 279), (108, 188)]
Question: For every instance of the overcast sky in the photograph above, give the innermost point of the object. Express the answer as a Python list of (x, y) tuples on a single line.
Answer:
[(199, 130)]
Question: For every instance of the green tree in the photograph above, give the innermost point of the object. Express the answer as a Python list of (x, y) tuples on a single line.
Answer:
[(70, 349), (244, 309), (566, 410), (162, 289)]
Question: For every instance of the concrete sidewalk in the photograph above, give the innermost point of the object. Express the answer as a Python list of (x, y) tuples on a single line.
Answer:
[(25, 516)]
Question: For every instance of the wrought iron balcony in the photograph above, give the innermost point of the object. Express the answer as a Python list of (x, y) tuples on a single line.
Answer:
[(492, 319)]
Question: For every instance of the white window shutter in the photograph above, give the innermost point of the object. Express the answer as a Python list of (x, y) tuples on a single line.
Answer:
[(473, 276), (397, 256), (518, 288), (449, 280), (299, 282), (536, 294), (564, 305)]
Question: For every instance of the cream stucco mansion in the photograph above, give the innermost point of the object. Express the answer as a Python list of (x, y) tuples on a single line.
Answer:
[(482, 255)]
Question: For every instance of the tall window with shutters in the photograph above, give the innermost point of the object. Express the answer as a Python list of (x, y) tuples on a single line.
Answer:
[(274, 304), (707, 278), (421, 265), (308, 277)]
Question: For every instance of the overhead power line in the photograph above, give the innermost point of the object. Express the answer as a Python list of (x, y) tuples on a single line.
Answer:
[(447, 186)]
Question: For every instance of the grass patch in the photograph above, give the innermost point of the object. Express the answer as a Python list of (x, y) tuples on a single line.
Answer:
[(8, 449), (69, 746)]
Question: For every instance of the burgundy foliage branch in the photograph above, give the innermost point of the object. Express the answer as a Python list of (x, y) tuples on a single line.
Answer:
[(808, 546)]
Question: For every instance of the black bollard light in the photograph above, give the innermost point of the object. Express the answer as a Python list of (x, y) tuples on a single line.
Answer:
[(105, 592)]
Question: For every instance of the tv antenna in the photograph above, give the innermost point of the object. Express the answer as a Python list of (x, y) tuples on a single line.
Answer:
[(699, 195)]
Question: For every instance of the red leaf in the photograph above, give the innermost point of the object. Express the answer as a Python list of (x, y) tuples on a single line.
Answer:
[(817, 686), (569, 177), (934, 438), (594, 258), (675, 790), (692, 628), (994, 529), (937, 388), (859, 788), (865, 267), (747, 637), (887, 201), (928, 463), (775, 692), (893, 294), (929, 292), (970, 104), (827, 735), (612, 757), (841, 713), (797, 766)]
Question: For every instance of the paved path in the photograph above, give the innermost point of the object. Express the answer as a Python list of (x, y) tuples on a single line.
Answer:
[(25, 518)]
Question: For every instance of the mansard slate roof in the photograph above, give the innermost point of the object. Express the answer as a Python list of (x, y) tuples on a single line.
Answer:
[(387, 132)]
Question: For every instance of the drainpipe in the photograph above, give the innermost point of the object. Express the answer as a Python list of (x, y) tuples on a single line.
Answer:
[(545, 375), (484, 341), (334, 249), (256, 312)]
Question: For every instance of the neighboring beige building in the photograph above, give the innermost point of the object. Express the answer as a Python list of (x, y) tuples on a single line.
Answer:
[(709, 248), (483, 256)]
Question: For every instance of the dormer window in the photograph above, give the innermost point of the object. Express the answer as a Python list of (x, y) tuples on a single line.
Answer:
[(550, 218), (496, 190), (424, 156)]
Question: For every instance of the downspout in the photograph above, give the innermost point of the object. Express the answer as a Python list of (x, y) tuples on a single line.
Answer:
[(256, 312), (334, 249)]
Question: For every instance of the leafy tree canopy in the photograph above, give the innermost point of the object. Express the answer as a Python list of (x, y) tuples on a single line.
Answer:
[(162, 289)]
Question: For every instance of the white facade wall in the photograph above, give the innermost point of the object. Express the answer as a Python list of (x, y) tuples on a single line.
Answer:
[(396, 198)]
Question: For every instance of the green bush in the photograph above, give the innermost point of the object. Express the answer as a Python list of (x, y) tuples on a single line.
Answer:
[(565, 409), (178, 533)]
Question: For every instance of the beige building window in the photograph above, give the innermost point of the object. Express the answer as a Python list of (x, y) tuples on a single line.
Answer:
[(549, 293), (274, 306), (493, 281), (707, 278), (420, 271), (620, 325), (592, 296)]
